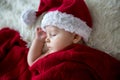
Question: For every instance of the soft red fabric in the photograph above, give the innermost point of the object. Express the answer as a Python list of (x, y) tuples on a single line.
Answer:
[(13, 54), (77, 62)]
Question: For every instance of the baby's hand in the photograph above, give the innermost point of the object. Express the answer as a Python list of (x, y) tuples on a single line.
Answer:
[(40, 35)]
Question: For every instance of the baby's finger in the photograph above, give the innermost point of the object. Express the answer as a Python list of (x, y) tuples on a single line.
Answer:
[(43, 34)]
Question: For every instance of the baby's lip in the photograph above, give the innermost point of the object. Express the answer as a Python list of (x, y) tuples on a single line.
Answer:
[(48, 47)]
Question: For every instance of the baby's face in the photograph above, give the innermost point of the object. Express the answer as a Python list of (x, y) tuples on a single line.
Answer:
[(57, 39)]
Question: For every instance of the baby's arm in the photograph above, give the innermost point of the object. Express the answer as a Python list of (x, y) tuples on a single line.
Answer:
[(35, 50)]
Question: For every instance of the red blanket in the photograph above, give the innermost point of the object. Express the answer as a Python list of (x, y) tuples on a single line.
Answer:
[(77, 62), (13, 54)]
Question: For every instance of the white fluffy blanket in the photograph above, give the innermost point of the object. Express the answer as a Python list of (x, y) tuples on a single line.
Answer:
[(105, 14)]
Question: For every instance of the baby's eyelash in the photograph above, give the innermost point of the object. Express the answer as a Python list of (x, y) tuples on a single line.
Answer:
[(53, 34)]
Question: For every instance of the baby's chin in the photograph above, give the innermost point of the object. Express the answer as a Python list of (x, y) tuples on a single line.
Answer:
[(51, 51)]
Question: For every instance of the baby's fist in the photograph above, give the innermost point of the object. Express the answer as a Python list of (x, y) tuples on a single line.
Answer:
[(40, 35)]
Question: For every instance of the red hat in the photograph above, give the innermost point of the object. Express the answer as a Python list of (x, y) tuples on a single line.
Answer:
[(71, 15)]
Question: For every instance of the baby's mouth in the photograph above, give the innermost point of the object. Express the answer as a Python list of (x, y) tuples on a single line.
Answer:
[(49, 48)]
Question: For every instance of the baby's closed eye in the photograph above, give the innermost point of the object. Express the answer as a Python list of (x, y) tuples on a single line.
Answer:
[(53, 34)]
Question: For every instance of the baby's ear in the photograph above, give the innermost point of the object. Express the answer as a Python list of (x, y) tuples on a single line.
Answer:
[(77, 38)]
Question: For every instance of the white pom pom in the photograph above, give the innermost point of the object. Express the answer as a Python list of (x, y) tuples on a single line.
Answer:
[(29, 17)]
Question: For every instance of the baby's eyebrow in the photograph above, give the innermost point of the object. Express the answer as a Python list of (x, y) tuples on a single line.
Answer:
[(54, 30)]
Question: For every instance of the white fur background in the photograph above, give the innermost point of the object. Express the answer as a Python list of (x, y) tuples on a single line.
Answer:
[(106, 22)]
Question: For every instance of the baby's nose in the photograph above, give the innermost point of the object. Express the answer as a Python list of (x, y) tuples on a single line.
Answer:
[(47, 40)]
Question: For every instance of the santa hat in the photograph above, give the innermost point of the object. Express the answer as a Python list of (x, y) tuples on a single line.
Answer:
[(70, 15)]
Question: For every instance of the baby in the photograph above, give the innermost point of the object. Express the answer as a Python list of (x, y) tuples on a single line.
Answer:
[(56, 40), (64, 29)]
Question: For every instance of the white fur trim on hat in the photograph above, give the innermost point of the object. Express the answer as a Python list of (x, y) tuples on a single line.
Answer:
[(29, 17), (67, 22)]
